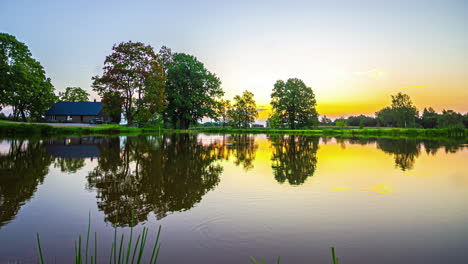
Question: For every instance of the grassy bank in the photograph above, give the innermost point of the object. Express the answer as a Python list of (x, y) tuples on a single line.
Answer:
[(33, 129), (348, 132), (17, 129)]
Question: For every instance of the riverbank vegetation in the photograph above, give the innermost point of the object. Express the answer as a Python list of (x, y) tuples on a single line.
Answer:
[(176, 91)]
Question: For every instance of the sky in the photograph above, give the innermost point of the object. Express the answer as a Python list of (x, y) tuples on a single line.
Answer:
[(353, 54)]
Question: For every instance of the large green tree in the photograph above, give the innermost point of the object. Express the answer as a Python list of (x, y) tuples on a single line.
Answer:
[(404, 111), (244, 110), (295, 103), (192, 91), (134, 71), (23, 84), (74, 94)]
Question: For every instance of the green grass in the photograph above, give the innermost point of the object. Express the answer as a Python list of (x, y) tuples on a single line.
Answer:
[(117, 256), (346, 132), (34, 129)]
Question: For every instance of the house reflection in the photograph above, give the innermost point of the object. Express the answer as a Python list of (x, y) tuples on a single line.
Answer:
[(70, 153)]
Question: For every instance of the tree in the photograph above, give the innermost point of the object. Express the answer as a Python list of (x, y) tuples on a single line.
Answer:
[(244, 110), (341, 122), (134, 72), (429, 118), (23, 84), (385, 117), (450, 118), (192, 91), (112, 103), (223, 110), (325, 121), (74, 94), (295, 103), (404, 111)]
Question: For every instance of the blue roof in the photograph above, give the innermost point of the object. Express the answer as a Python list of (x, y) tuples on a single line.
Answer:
[(75, 108)]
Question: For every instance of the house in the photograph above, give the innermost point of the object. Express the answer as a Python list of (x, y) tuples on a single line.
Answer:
[(76, 112)]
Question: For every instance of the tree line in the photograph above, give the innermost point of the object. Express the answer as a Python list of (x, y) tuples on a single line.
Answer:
[(177, 91), (403, 113)]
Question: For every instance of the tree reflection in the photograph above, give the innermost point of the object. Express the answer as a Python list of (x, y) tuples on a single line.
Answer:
[(22, 169), (153, 174), (405, 151), (294, 158)]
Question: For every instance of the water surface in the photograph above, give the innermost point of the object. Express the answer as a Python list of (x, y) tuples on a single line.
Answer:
[(223, 198)]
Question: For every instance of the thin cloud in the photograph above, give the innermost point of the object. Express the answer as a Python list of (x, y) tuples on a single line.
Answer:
[(373, 73), (414, 87)]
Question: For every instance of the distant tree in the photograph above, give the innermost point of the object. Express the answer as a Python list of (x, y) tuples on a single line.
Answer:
[(223, 110), (134, 71), (341, 122), (404, 111), (74, 94), (295, 103), (23, 84), (192, 91), (325, 121), (465, 120), (450, 118), (429, 118), (244, 110), (385, 117)]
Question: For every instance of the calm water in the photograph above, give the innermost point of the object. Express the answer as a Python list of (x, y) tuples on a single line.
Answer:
[(221, 199)]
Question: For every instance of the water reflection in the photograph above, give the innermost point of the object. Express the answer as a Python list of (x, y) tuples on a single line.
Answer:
[(242, 148), (153, 174), (294, 158), (173, 172), (22, 169)]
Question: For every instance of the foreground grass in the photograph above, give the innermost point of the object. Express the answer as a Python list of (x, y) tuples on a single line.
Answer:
[(120, 253)]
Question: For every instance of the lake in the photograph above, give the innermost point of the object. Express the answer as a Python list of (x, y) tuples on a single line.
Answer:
[(223, 198)]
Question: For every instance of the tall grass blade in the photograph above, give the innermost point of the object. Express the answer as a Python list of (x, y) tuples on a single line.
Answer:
[(115, 243), (335, 260), (279, 260), (40, 249), (95, 247), (143, 243), (254, 260), (112, 251), (87, 237), (120, 248), (130, 241), (155, 246), (135, 249)]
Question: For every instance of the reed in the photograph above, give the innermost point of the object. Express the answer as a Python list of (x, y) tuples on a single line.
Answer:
[(119, 254)]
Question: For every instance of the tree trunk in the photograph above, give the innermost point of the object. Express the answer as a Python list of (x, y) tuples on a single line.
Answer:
[(23, 116)]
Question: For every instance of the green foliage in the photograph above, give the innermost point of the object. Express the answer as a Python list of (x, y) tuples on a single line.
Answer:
[(74, 94), (295, 103), (23, 84), (404, 111), (429, 118), (385, 117), (244, 110), (450, 118), (224, 107), (133, 77), (341, 123), (112, 105), (274, 121), (192, 91)]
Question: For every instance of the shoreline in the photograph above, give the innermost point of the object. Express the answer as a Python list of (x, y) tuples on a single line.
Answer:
[(16, 129)]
